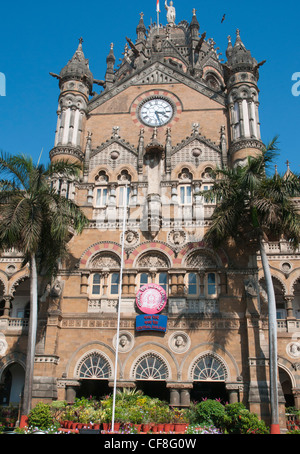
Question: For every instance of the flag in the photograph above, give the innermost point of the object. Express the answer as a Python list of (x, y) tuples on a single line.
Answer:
[(157, 6)]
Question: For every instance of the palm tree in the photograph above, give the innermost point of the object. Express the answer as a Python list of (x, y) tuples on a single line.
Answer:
[(252, 207), (37, 221)]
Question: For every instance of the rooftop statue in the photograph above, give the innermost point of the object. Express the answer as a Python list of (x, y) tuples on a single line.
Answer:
[(171, 14)]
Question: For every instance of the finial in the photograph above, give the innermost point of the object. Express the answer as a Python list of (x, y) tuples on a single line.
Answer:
[(229, 39), (288, 164), (80, 40), (194, 11)]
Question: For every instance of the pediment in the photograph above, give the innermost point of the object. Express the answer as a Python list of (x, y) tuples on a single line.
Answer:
[(156, 73), (113, 153), (196, 149)]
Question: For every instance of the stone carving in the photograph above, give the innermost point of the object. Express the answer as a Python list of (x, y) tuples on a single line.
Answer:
[(177, 237), (3, 344), (250, 288), (171, 13), (293, 349), (200, 261), (131, 238), (126, 341), (105, 260), (179, 342), (153, 261)]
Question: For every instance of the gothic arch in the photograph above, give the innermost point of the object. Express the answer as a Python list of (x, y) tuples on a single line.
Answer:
[(4, 282), (97, 170), (125, 167), (10, 359), (200, 248), (18, 279), (152, 259), (287, 366), (208, 366), (101, 246), (94, 364), (83, 350), (148, 247), (209, 348), (135, 353), (150, 365), (295, 281)]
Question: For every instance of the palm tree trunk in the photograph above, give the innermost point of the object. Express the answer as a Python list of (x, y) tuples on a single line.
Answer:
[(31, 338), (272, 341)]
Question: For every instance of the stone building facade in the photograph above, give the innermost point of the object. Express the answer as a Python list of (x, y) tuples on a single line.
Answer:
[(171, 111)]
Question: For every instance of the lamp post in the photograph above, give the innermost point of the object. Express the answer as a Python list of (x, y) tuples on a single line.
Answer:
[(119, 312)]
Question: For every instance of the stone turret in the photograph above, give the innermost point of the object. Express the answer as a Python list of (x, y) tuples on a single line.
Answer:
[(75, 83), (241, 77)]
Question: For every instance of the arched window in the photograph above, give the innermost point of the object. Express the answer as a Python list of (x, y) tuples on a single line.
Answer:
[(209, 368), (185, 187), (151, 367), (94, 366), (101, 190)]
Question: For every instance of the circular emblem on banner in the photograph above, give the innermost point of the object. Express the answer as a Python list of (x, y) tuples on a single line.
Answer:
[(151, 298)]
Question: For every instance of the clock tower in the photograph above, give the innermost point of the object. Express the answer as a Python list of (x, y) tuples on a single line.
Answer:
[(148, 139)]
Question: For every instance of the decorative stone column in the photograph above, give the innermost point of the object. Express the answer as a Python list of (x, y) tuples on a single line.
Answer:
[(296, 394), (71, 390), (233, 391), (289, 306), (185, 397), (174, 397), (7, 306)]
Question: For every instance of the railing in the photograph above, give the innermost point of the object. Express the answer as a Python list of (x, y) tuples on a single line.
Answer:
[(18, 323), (292, 421)]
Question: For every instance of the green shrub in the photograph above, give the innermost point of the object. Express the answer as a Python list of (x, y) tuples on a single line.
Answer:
[(238, 420), (41, 416), (209, 412)]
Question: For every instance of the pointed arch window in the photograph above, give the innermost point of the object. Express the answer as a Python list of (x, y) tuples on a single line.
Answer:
[(94, 366), (151, 367), (209, 368)]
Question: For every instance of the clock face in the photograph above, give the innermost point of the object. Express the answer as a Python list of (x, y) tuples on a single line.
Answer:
[(156, 112)]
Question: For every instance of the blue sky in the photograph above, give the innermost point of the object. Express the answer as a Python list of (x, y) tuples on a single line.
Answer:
[(40, 37)]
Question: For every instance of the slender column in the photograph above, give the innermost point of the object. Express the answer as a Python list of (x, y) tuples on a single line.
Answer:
[(7, 306), (289, 306)]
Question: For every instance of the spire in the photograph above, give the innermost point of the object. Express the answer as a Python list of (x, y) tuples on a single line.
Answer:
[(78, 68), (239, 58), (229, 48), (194, 25), (110, 61), (141, 28)]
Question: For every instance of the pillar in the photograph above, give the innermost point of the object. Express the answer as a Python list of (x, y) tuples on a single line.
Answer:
[(7, 306), (174, 397)]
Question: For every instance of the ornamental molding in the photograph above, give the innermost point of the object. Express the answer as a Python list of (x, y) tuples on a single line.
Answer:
[(67, 150), (246, 143), (155, 73)]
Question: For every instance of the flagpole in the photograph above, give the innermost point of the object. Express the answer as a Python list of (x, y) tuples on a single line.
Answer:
[(119, 312)]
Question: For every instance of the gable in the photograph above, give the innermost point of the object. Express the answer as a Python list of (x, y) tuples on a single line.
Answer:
[(154, 74)]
